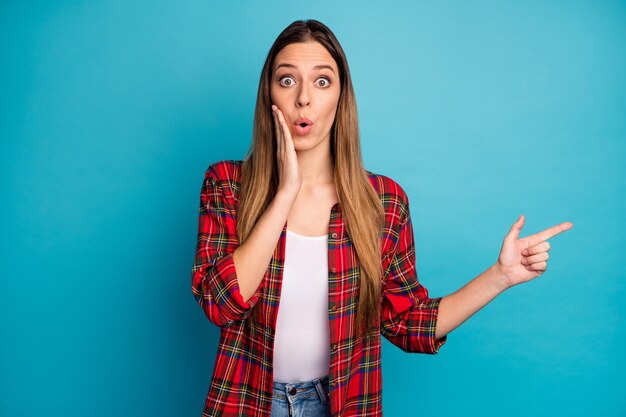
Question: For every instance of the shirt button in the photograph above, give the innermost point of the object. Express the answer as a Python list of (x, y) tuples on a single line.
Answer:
[(334, 235), (333, 270), (334, 347), (333, 308), (293, 391)]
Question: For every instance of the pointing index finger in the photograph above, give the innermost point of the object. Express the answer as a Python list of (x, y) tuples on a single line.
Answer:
[(550, 232)]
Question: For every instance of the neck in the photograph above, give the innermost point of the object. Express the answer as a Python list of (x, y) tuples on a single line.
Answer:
[(316, 165)]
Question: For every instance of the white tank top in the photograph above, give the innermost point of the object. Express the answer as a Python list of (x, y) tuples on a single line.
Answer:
[(301, 344)]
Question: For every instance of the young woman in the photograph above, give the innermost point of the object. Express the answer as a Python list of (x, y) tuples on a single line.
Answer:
[(305, 258)]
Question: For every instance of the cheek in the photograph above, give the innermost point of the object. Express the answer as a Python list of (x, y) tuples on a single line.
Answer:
[(331, 111), (274, 93), (332, 104), (280, 99)]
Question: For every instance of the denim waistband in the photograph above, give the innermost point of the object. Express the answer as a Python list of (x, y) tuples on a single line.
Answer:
[(296, 389)]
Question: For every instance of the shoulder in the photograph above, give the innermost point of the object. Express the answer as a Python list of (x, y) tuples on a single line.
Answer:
[(223, 175), (393, 197), (225, 170)]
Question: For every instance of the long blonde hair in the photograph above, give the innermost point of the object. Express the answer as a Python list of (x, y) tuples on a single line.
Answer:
[(361, 208)]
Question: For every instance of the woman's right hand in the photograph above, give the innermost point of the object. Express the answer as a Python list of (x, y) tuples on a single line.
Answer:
[(290, 177)]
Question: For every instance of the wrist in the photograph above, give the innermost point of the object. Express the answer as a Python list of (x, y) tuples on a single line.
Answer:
[(285, 197), (500, 278)]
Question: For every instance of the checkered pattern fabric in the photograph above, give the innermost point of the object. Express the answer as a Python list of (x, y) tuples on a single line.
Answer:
[(242, 380)]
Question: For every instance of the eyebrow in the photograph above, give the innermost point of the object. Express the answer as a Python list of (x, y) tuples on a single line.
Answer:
[(315, 67)]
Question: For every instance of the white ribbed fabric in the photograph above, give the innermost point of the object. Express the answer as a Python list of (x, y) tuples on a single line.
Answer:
[(301, 345)]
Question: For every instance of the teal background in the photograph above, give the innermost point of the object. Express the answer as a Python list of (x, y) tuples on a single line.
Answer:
[(111, 112)]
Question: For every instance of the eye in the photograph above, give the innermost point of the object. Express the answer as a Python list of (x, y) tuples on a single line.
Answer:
[(325, 80), (282, 78)]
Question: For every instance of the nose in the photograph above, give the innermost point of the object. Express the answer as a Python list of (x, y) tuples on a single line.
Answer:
[(303, 97)]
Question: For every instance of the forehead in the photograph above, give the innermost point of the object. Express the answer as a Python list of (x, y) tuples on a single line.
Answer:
[(305, 55)]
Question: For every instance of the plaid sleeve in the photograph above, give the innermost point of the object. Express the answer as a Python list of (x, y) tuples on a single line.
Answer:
[(408, 316), (214, 278)]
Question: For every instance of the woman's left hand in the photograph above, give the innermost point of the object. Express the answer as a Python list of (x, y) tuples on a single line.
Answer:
[(524, 259)]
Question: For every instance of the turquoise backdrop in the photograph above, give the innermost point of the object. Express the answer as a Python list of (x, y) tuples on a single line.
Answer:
[(111, 111)]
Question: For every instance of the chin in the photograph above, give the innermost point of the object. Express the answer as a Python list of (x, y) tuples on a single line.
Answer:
[(301, 143)]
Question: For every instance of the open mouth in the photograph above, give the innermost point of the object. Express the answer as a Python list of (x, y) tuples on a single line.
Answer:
[(302, 126)]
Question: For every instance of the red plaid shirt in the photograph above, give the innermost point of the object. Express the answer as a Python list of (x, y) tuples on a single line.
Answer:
[(242, 380)]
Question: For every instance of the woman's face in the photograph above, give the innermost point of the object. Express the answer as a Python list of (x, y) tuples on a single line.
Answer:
[(305, 84)]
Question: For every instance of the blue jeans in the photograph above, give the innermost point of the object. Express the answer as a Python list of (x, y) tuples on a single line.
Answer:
[(301, 399)]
